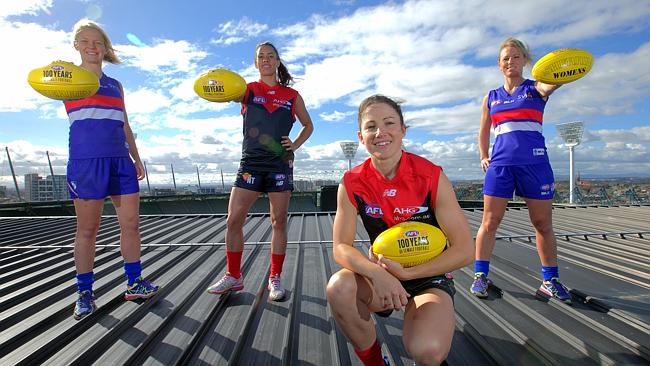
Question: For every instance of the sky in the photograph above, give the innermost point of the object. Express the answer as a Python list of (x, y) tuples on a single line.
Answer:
[(438, 57)]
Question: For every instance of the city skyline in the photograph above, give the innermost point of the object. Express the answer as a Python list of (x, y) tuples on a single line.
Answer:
[(438, 57)]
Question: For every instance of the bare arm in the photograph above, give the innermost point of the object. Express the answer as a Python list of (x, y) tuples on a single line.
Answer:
[(130, 140), (454, 224), (385, 285), (484, 135), (305, 131), (545, 89)]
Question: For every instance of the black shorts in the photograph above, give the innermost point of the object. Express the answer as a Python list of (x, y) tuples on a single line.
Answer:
[(414, 287), (257, 181)]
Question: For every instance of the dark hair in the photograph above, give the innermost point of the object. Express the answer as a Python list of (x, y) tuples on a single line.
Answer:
[(377, 99), (284, 78)]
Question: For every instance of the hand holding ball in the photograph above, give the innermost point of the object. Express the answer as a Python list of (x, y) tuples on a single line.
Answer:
[(63, 80), (410, 243), (562, 66)]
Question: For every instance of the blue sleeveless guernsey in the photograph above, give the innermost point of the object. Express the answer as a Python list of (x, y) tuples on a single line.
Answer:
[(97, 123), (517, 124)]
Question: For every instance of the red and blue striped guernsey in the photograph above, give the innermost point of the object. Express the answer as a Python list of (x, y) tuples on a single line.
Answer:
[(517, 124), (97, 123)]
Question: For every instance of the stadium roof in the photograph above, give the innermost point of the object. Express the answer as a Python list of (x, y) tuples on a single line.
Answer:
[(604, 254)]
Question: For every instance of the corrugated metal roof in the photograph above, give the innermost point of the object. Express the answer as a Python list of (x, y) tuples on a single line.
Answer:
[(604, 254)]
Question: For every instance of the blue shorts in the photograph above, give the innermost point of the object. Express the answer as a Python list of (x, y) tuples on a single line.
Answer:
[(527, 181), (264, 181), (98, 178)]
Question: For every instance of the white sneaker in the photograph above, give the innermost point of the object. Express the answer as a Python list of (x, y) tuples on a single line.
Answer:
[(276, 291), (226, 284)]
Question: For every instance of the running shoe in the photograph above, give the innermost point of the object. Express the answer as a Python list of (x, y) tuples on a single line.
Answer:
[(554, 288), (276, 291), (226, 284), (140, 289), (480, 285), (85, 304)]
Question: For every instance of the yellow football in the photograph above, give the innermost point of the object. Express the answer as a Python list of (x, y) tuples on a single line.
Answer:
[(220, 85), (63, 80), (410, 243), (563, 66)]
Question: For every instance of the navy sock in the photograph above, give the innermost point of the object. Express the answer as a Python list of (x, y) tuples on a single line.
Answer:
[(550, 272), (133, 271), (482, 266), (85, 281)]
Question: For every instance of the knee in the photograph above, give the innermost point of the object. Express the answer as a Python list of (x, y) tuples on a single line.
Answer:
[(341, 290), (130, 225), (235, 222), (87, 232), (432, 353), (279, 222), (542, 225), (491, 224)]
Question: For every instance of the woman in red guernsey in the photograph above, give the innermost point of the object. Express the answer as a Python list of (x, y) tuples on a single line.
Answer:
[(383, 191), (103, 162), (269, 108)]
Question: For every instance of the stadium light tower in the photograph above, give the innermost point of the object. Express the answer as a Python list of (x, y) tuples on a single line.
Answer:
[(349, 150), (571, 133)]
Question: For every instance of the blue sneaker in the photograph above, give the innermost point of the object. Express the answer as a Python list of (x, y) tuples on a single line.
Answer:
[(554, 288), (480, 285), (140, 289), (85, 304)]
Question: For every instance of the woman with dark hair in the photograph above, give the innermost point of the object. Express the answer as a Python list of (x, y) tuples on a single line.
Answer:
[(383, 190), (269, 107)]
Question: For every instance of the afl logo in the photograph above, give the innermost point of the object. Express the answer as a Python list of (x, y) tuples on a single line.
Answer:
[(373, 210), (57, 67), (411, 233)]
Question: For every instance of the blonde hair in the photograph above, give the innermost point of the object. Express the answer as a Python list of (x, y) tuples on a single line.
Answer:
[(521, 46), (83, 24)]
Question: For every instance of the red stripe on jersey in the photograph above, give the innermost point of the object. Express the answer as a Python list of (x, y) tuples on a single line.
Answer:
[(95, 100), (517, 115)]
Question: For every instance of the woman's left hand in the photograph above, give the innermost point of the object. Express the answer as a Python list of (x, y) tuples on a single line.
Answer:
[(139, 170), (286, 143), (392, 267)]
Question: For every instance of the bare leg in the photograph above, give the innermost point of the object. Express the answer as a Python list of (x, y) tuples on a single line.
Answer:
[(541, 216), (429, 345), (241, 201), (279, 204), (89, 213), (127, 208), (351, 298), (493, 210)]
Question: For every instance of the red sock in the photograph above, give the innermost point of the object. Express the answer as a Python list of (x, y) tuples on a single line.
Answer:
[(371, 356), (234, 263), (277, 260)]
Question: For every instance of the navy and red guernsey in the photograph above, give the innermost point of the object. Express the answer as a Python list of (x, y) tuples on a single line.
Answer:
[(382, 203), (269, 114)]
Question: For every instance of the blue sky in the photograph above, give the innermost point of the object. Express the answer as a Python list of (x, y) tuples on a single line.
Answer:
[(439, 57)]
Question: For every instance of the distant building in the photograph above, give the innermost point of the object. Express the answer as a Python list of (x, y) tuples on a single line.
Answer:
[(3, 191), (50, 188)]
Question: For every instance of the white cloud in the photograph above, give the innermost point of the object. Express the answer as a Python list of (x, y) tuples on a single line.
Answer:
[(238, 31)]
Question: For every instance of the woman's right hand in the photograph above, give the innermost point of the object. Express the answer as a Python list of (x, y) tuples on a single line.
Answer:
[(485, 164), (390, 292)]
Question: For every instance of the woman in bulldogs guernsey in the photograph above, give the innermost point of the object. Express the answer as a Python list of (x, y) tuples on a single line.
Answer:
[(380, 190), (269, 108)]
